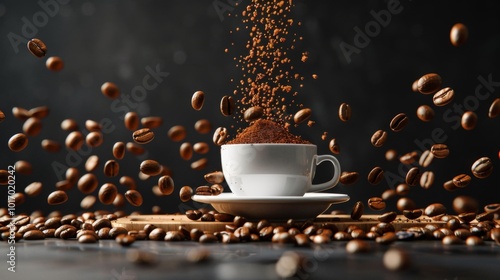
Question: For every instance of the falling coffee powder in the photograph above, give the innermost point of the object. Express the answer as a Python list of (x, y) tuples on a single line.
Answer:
[(265, 131)]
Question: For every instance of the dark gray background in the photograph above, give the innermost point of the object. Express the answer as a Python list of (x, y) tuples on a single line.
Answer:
[(116, 40)]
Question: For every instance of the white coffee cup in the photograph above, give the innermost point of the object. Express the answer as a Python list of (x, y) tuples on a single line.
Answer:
[(274, 169)]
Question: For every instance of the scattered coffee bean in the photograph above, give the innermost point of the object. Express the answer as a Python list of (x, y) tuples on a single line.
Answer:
[(33, 234), (391, 155), (426, 158), (253, 113), (429, 83), (32, 126), (33, 189), (398, 122), (74, 140), (203, 126), (201, 148), (57, 197), (92, 163), (388, 194), (203, 190), (125, 239), (166, 185), (345, 112), (427, 179), (409, 158), (185, 193), (199, 164), (69, 125), (54, 63), (216, 189), (37, 47), (18, 142), (485, 216), (494, 110), (143, 136), (197, 100), (186, 151), (110, 90), (131, 121), (150, 167), (302, 115), (348, 177), (378, 138), (463, 204), (440, 150), (216, 177), (227, 105), (435, 209), (425, 113), (451, 240), (387, 238), (151, 122), (357, 210), (461, 180), (107, 193), (474, 241), (458, 34), (94, 139), (413, 214), (376, 175), (469, 120), (134, 197), (405, 203), (87, 238), (396, 259), (134, 149), (2, 116), (50, 146), (177, 133), (87, 202), (493, 207), (495, 235), (443, 97), (387, 217), (220, 136), (357, 246), (482, 168), (376, 203), (92, 125), (119, 150), (413, 176), (111, 168), (402, 189), (208, 238)]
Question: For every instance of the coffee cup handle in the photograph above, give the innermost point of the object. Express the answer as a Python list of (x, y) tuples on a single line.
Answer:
[(336, 175)]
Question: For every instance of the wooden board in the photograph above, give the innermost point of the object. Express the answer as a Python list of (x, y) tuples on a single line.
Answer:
[(172, 222)]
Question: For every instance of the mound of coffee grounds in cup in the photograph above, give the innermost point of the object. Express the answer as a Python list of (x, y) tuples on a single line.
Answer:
[(266, 131)]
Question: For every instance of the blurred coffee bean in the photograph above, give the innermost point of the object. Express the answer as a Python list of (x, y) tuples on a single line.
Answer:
[(429, 83), (458, 34)]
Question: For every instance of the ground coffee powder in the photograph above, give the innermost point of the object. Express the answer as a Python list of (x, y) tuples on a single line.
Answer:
[(266, 131)]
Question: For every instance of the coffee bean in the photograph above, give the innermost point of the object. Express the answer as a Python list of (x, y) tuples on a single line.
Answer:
[(216, 189), (186, 151), (253, 113), (2, 116), (34, 234), (197, 100), (316, 239), (402, 189), (111, 168), (357, 246), (131, 121), (425, 113), (87, 238), (50, 146), (348, 178), (396, 259), (391, 155), (110, 90), (494, 110), (427, 179), (32, 126), (92, 125), (203, 190), (94, 139), (72, 175), (451, 240), (429, 83), (387, 238), (409, 158), (376, 203), (464, 204), (124, 239), (119, 150), (134, 149), (199, 164), (227, 106), (426, 158), (398, 122), (134, 197), (223, 217), (344, 112), (33, 189), (203, 126), (57, 197), (440, 150), (482, 168), (449, 186), (302, 115), (485, 216), (220, 136), (467, 217), (87, 183), (54, 63), (4, 177), (413, 176), (208, 238), (493, 207), (26, 228), (151, 122), (469, 120), (458, 34), (74, 140), (435, 209), (443, 97), (18, 142), (216, 177), (376, 175), (334, 146), (69, 125), (378, 138), (387, 217), (461, 180), (413, 214), (357, 210), (37, 47), (143, 136), (166, 185), (201, 148), (405, 203), (177, 133), (92, 163), (107, 193), (388, 194), (185, 193), (150, 167), (87, 202)]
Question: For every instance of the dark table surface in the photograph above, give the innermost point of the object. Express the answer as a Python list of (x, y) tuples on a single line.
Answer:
[(68, 259)]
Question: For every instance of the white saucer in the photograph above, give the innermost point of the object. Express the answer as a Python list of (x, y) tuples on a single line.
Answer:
[(274, 207)]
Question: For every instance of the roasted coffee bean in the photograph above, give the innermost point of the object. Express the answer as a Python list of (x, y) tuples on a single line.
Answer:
[(461, 180), (398, 122), (57, 197), (318, 239), (429, 83), (185, 193), (92, 125), (239, 221), (39, 112), (92, 163), (69, 125), (23, 167), (186, 151), (356, 234), (440, 150), (87, 202), (409, 158), (143, 136), (166, 185), (387, 217), (119, 200), (334, 146), (378, 138), (101, 223), (493, 207), (348, 177), (110, 90), (427, 179), (458, 34), (103, 233), (474, 241), (449, 186), (87, 183), (177, 133), (87, 238), (357, 246), (387, 238), (467, 217), (302, 115), (216, 189), (485, 216), (65, 232), (119, 150), (199, 164), (72, 175), (203, 126), (396, 259), (482, 168), (157, 234), (2, 116), (443, 97), (107, 193), (220, 136), (151, 122), (50, 145), (33, 189), (426, 158), (201, 148), (342, 236), (4, 177), (435, 209), (20, 113), (223, 217), (375, 176), (25, 228), (63, 185), (357, 210), (18, 142), (405, 203), (463, 204), (208, 238), (134, 149), (216, 177), (391, 155), (54, 63), (128, 182), (413, 214), (344, 112), (203, 190), (197, 100), (451, 240), (125, 239), (150, 167), (86, 232), (195, 234), (74, 140), (302, 240), (111, 168), (425, 113), (37, 47), (253, 113), (402, 189), (33, 234), (32, 126), (227, 105), (413, 176), (134, 197), (388, 194), (494, 110), (469, 120), (376, 203), (19, 198), (131, 121), (94, 139)]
